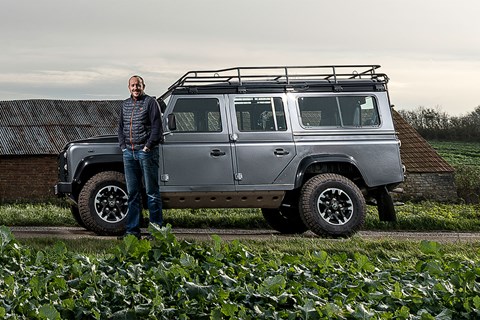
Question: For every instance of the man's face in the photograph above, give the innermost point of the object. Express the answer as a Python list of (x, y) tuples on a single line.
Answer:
[(136, 87)]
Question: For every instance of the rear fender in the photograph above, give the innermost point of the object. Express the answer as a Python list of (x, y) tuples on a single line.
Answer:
[(331, 159)]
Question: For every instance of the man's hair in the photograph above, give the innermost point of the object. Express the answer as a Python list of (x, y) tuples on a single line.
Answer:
[(138, 77)]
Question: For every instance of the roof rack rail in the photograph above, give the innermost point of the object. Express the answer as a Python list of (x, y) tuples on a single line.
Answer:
[(277, 74)]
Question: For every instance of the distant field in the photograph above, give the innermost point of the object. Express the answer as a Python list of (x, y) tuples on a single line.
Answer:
[(458, 153)]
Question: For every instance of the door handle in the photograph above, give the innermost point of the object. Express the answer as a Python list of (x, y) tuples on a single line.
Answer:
[(281, 152), (217, 153)]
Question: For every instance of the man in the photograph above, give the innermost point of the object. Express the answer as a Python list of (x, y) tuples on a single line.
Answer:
[(139, 134)]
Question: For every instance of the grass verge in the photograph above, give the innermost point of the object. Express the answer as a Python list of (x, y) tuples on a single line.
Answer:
[(423, 216)]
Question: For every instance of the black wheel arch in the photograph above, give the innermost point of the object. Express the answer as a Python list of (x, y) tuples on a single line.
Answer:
[(92, 165), (332, 163)]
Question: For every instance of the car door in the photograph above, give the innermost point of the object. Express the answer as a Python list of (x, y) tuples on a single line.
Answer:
[(262, 138), (197, 156)]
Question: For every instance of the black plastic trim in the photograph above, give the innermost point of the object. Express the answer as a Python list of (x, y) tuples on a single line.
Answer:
[(95, 160), (62, 188), (323, 158)]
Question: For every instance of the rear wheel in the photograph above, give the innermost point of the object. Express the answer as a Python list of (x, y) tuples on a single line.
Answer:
[(332, 205), (103, 203), (285, 220)]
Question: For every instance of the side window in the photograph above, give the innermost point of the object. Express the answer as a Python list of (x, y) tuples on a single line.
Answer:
[(197, 115), (358, 111), (260, 114), (319, 111), (343, 111)]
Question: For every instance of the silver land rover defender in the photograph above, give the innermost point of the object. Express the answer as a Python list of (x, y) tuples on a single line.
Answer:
[(309, 145)]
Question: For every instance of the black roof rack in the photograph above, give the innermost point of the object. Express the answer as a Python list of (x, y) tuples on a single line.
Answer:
[(278, 75)]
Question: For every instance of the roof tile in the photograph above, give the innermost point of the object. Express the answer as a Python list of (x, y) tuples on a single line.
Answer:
[(417, 155)]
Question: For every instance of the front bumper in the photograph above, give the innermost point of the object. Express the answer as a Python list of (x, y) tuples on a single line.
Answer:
[(62, 188)]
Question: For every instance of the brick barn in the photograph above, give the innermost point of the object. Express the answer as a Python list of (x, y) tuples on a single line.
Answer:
[(33, 132)]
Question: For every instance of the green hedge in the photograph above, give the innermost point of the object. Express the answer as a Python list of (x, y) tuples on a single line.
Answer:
[(467, 180)]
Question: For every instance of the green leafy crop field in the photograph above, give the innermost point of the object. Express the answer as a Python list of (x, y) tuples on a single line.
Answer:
[(465, 158), (458, 153), (170, 279)]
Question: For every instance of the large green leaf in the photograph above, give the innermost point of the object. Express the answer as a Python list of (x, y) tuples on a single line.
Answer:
[(431, 247)]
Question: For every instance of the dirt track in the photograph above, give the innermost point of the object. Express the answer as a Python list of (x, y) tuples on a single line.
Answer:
[(230, 234)]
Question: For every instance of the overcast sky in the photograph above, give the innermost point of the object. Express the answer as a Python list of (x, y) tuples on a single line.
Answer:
[(86, 49)]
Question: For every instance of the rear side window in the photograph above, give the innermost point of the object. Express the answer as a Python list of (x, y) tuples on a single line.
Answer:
[(198, 115), (260, 114), (345, 111)]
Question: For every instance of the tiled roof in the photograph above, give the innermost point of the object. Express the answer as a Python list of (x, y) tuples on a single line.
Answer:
[(33, 127), (417, 155)]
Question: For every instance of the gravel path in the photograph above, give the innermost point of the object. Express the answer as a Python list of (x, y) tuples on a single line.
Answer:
[(230, 234)]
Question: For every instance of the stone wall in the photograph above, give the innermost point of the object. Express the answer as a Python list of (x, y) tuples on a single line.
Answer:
[(429, 186), (27, 178)]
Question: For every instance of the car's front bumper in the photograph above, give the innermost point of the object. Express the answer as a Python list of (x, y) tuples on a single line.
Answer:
[(62, 188)]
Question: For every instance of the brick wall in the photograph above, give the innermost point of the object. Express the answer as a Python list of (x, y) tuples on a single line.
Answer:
[(430, 186), (27, 178)]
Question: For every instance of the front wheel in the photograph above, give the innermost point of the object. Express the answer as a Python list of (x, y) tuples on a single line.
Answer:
[(103, 203), (76, 215), (332, 205)]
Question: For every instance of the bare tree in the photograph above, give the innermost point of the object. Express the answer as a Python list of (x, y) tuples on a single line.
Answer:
[(434, 123)]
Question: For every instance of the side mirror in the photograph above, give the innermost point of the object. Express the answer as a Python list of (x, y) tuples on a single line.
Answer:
[(172, 122)]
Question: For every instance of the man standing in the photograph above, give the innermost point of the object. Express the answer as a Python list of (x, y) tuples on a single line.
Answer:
[(139, 134)]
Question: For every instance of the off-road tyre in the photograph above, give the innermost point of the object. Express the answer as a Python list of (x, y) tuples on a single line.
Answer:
[(285, 220), (332, 205), (103, 203), (76, 215), (385, 206)]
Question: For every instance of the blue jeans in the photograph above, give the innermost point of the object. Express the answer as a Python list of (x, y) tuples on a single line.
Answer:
[(138, 165)]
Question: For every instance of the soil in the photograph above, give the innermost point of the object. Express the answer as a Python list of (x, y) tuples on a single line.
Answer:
[(231, 234)]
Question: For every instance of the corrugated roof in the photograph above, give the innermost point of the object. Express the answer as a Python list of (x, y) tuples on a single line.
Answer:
[(417, 155), (29, 127)]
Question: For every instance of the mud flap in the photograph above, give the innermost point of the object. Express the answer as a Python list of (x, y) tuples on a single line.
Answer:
[(386, 209)]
